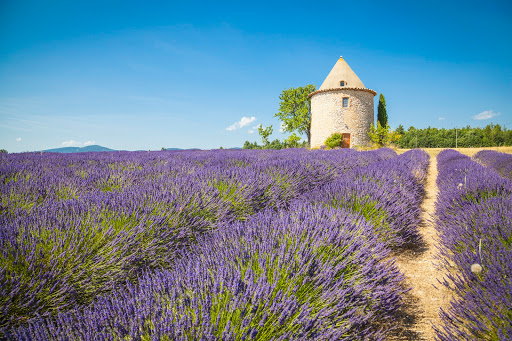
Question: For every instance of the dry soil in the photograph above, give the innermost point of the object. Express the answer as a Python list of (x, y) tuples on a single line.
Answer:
[(417, 262)]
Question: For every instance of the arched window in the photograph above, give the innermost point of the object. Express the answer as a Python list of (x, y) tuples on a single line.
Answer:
[(342, 83)]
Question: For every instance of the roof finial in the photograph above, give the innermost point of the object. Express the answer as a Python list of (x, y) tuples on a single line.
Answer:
[(341, 57)]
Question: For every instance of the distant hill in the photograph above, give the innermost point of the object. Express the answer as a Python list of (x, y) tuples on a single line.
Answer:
[(196, 148), (182, 149), (96, 148), (93, 148)]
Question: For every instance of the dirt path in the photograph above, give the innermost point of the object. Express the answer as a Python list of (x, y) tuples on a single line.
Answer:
[(417, 263)]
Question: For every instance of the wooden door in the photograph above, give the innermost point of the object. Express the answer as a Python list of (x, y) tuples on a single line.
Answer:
[(346, 141)]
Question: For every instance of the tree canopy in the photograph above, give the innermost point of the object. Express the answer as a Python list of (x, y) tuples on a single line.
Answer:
[(383, 135), (382, 115), (264, 133), (292, 141), (492, 135), (295, 110), (276, 144)]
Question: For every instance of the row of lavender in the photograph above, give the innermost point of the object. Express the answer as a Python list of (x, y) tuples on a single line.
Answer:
[(474, 221), (315, 270), (500, 162), (74, 226)]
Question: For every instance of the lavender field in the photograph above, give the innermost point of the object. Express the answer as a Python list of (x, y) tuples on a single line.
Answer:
[(236, 245), (474, 219), (500, 162)]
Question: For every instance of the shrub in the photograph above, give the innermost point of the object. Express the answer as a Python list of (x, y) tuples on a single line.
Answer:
[(292, 141), (302, 274), (74, 226), (334, 140), (500, 162), (383, 135), (474, 221)]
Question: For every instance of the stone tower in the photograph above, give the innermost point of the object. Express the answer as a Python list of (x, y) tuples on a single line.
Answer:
[(342, 105)]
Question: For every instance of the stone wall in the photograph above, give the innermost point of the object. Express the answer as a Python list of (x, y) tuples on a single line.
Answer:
[(329, 117)]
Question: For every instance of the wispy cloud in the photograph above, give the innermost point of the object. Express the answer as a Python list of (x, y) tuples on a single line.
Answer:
[(73, 143), (242, 123), (18, 139), (441, 118), (35, 113), (253, 129), (485, 115)]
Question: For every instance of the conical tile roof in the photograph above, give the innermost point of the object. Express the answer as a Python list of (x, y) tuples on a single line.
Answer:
[(341, 72)]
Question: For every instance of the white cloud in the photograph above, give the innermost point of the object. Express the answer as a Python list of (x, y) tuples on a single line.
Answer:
[(242, 123), (246, 121), (281, 127), (251, 131), (484, 115), (441, 118), (71, 143), (18, 139)]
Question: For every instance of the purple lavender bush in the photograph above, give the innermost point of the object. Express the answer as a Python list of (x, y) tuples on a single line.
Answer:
[(474, 220), (310, 273), (74, 226), (500, 162), (387, 193), (60, 255), (462, 180)]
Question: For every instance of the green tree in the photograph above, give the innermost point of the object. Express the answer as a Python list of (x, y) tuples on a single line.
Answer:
[(264, 133), (276, 144), (3, 151), (249, 145), (295, 110), (400, 130), (490, 136), (383, 135), (382, 115), (497, 135), (292, 141)]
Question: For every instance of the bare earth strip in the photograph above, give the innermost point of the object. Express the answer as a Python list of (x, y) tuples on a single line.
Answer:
[(417, 263)]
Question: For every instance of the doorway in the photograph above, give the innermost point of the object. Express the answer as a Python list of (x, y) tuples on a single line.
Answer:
[(346, 140)]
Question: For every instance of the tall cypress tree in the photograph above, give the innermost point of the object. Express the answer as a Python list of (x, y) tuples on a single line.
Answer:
[(382, 116)]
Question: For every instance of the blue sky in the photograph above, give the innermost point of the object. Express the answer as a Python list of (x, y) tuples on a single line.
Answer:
[(145, 75)]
